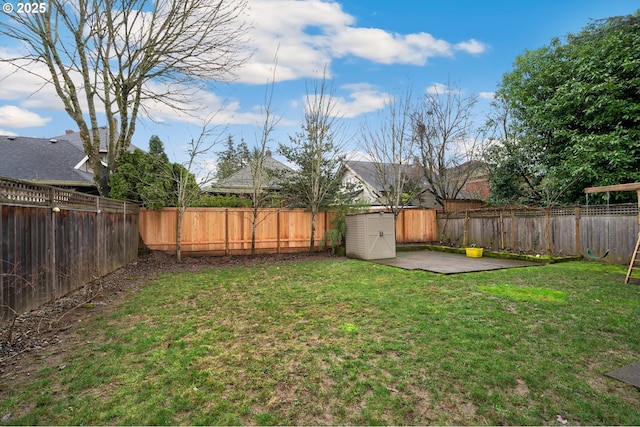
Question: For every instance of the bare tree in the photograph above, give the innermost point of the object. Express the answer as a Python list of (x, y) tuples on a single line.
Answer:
[(116, 57), (391, 147), (449, 147), (187, 190), (317, 151), (260, 174)]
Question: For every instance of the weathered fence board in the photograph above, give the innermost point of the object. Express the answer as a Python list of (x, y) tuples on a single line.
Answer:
[(560, 231), (46, 252), (219, 231)]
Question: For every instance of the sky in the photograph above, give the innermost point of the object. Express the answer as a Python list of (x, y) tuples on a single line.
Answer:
[(370, 49)]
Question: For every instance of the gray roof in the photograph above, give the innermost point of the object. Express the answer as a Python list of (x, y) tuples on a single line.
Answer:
[(370, 174), (74, 138), (43, 161), (242, 180)]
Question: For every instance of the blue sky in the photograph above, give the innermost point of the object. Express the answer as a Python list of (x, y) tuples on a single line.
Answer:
[(372, 49)]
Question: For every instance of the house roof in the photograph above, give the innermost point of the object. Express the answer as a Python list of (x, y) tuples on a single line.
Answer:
[(43, 161), (370, 174), (74, 138), (242, 180)]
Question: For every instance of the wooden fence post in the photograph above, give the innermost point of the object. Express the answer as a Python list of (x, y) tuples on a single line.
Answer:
[(226, 231), (513, 229), (465, 238), (52, 243), (577, 213), (501, 229), (547, 230)]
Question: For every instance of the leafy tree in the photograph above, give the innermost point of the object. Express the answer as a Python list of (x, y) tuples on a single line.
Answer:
[(232, 159), (143, 178), (149, 178), (121, 56), (316, 150), (574, 109)]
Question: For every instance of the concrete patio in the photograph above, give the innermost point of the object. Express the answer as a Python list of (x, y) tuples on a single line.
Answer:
[(448, 263)]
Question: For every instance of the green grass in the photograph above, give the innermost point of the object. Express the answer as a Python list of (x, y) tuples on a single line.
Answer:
[(351, 342)]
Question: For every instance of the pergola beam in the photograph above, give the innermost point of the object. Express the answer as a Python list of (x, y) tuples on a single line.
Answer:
[(632, 186)]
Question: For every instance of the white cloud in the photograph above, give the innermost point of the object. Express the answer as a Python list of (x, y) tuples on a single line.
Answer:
[(438, 89), (471, 46), (21, 82), (487, 95), (311, 33), (306, 35), (363, 98), (16, 117), (356, 156), (7, 132), (388, 48)]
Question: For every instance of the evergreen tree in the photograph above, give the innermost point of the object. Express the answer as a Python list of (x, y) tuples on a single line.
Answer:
[(232, 159)]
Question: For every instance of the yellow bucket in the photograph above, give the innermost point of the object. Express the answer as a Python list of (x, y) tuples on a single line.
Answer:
[(474, 252)]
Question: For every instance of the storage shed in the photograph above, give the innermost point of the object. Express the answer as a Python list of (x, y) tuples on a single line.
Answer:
[(371, 236)]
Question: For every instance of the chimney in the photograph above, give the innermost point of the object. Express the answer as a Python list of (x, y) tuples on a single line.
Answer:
[(68, 132), (267, 153)]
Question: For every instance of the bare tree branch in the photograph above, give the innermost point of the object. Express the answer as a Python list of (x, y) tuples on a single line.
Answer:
[(449, 146), (115, 56), (391, 148)]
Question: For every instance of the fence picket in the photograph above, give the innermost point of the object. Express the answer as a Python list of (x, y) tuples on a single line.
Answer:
[(53, 241)]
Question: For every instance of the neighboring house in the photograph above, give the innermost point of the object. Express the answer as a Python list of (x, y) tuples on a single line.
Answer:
[(59, 161), (44, 161), (74, 138), (366, 176), (241, 183), (476, 186)]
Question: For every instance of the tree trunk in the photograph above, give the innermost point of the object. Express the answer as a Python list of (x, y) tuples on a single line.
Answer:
[(313, 230), (179, 235), (254, 226)]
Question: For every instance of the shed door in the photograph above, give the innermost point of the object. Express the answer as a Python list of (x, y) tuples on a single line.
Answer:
[(381, 237)]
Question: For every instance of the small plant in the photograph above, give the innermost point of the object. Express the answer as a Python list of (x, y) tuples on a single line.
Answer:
[(335, 237)]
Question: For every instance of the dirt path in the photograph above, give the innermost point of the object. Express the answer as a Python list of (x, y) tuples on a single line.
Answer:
[(43, 336)]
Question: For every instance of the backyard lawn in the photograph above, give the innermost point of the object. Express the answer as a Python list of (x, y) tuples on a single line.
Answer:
[(337, 341)]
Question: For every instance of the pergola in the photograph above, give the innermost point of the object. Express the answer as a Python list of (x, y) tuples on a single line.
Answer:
[(633, 186)]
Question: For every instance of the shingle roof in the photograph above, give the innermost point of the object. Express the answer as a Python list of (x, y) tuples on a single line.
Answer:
[(40, 160), (243, 180), (74, 138), (369, 173)]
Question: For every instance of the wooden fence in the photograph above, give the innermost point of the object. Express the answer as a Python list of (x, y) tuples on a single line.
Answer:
[(53, 241), (219, 231), (560, 231)]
